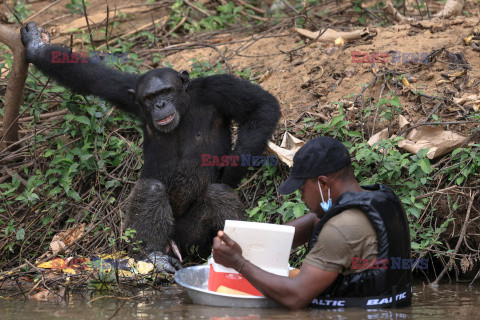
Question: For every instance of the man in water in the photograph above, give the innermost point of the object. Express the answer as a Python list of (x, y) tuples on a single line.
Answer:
[(355, 233)]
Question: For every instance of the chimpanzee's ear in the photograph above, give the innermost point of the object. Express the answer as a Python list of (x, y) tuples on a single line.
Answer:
[(185, 78), (131, 92)]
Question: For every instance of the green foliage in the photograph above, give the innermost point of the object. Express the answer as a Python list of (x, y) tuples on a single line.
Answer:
[(80, 151), (21, 10), (76, 6), (271, 209), (226, 15), (362, 19), (204, 68)]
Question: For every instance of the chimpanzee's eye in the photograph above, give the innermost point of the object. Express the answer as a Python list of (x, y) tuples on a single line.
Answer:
[(165, 91), (150, 97)]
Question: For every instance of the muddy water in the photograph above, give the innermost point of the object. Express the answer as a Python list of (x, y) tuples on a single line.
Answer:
[(444, 302)]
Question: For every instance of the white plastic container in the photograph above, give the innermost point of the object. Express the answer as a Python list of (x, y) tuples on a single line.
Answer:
[(265, 245)]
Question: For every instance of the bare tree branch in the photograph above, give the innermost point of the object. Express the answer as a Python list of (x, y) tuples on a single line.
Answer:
[(452, 8), (15, 85), (390, 11)]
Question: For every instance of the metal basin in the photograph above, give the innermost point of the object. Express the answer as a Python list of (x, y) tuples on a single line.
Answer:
[(195, 280)]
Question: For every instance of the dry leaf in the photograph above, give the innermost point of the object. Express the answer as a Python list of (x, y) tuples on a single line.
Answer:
[(402, 122), (438, 140), (466, 264), (472, 100), (287, 149), (382, 135), (331, 35), (339, 42), (63, 239)]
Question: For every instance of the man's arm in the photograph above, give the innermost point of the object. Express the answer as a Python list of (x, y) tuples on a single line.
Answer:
[(79, 73), (303, 228), (255, 110), (294, 293)]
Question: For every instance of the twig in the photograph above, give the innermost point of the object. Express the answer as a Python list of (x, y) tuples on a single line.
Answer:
[(177, 26), (435, 123), (285, 2), (14, 13), (189, 45), (44, 9), (249, 6), (13, 174), (88, 26), (418, 7), (425, 195), (106, 27), (159, 4), (134, 31), (262, 19), (459, 242), (197, 8), (54, 19)]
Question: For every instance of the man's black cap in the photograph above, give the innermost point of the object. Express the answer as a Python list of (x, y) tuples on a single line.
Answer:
[(319, 156)]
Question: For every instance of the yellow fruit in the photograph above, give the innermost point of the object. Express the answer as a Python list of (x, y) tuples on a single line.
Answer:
[(223, 289), (293, 273)]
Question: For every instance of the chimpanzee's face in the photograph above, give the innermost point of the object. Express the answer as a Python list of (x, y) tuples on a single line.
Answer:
[(160, 93)]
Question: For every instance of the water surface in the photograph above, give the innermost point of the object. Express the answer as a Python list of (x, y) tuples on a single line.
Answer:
[(444, 302)]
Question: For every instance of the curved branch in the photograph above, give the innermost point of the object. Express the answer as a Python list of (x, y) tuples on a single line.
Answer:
[(390, 11), (15, 85), (452, 8)]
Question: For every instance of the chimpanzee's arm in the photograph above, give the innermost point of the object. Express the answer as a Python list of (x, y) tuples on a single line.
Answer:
[(77, 72), (256, 111)]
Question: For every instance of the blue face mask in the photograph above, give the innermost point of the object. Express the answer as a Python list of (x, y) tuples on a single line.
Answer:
[(326, 205)]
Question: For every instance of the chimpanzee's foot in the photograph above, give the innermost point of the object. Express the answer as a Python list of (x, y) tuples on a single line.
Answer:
[(164, 262)]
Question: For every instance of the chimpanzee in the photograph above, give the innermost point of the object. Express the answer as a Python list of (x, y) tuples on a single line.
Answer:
[(177, 199)]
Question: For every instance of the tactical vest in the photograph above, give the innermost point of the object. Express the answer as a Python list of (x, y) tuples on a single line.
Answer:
[(383, 286)]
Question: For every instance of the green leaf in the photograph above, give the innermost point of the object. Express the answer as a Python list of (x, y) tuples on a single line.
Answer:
[(82, 119), (254, 211), (20, 234), (297, 211), (415, 246), (425, 165)]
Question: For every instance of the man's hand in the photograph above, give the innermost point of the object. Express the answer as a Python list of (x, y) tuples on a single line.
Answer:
[(227, 252), (33, 38)]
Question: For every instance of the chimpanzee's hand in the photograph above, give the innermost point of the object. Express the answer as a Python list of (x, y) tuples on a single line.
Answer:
[(164, 262), (33, 38), (228, 253)]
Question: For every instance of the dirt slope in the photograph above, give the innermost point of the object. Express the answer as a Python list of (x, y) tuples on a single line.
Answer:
[(320, 74)]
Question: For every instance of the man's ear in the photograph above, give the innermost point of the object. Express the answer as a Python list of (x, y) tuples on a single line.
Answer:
[(185, 78), (324, 181)]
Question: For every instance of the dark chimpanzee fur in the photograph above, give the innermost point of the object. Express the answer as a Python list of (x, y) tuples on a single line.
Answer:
[(176, 197)]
